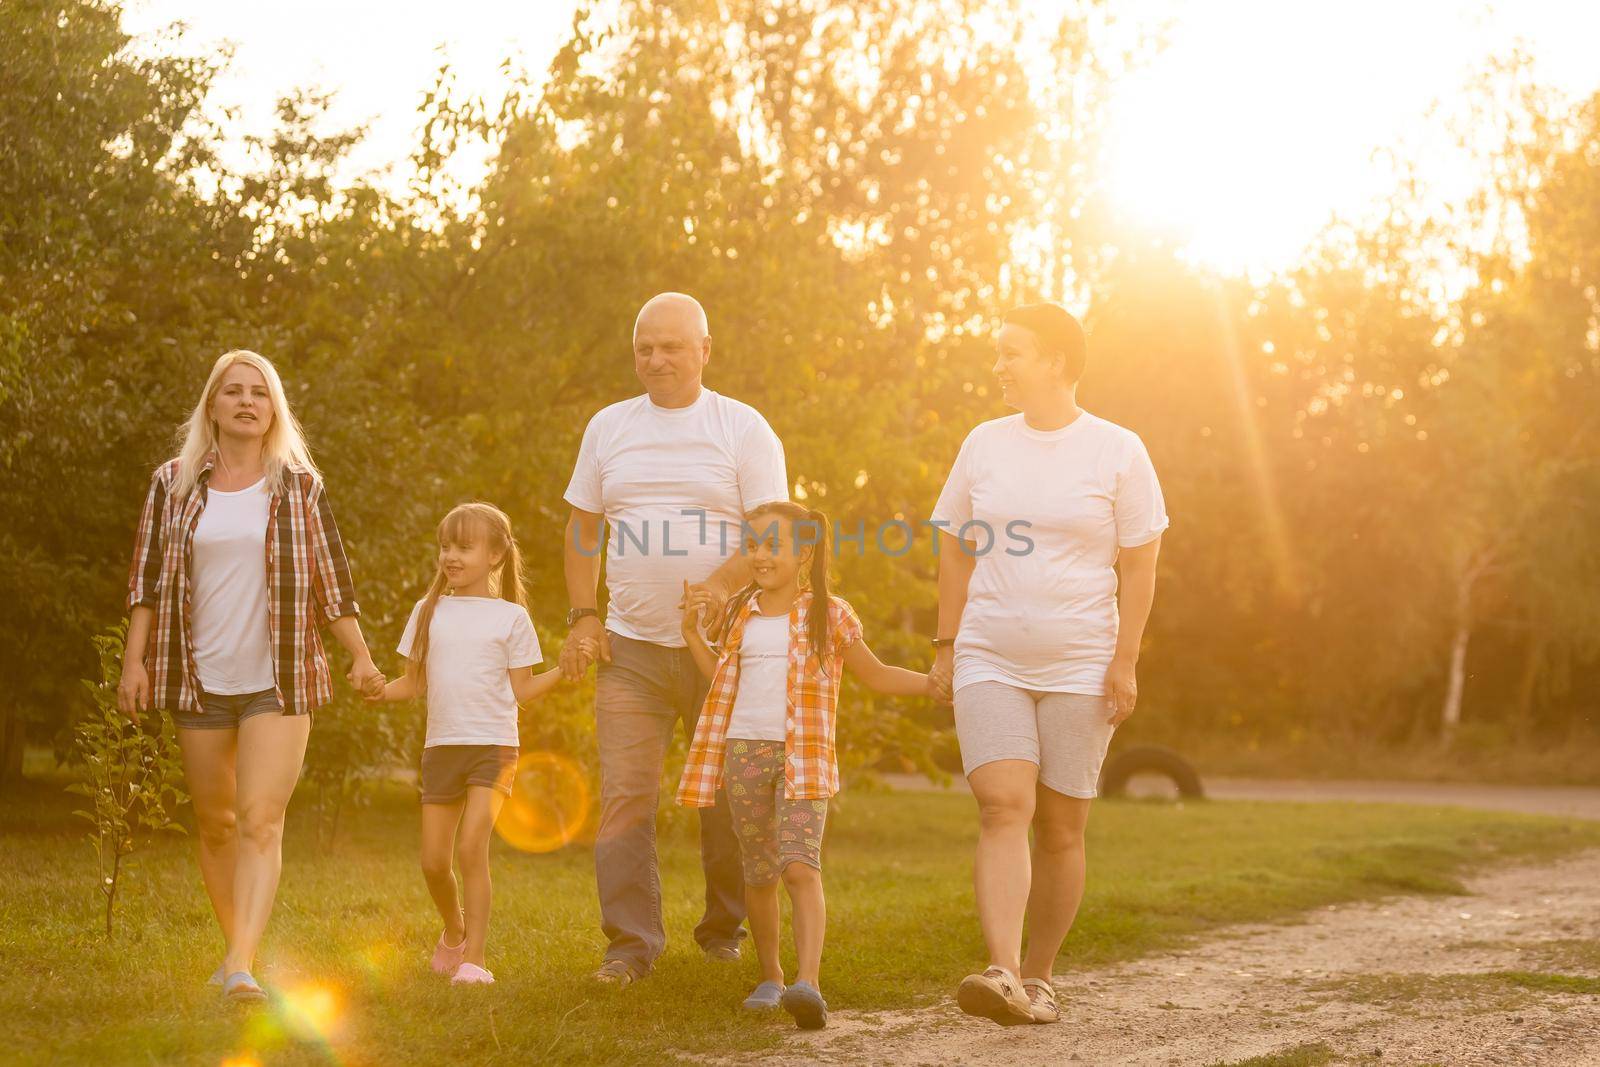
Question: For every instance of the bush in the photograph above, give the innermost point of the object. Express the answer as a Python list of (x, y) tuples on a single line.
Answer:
[(133, 772)]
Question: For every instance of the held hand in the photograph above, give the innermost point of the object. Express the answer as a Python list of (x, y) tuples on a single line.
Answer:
[(362, 673), (705, 597), (586, 642), (133, 690), (588, 650), (942, 676), (1122, 690), (693, 604), (373, 690)]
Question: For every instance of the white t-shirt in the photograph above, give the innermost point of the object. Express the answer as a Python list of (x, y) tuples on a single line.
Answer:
[(228, 590), (473, 642), (1043, 616), (643, 466), (761, 706)]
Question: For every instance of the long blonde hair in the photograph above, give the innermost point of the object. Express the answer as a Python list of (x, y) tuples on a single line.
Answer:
[(505, 581), (283, 447)]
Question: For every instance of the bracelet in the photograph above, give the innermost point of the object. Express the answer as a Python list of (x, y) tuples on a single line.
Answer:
[(941, 642)]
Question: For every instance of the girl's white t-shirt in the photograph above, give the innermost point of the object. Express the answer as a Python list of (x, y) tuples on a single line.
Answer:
[(1041, 609), (473, 641), (228, 590), (761, 706)]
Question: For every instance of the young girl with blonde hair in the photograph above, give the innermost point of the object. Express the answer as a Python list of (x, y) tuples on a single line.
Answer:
[(470, 650)]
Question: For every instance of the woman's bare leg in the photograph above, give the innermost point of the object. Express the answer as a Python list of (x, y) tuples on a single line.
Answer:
[(271, 751), (208, 761), (1002, 874), (1058, 877)]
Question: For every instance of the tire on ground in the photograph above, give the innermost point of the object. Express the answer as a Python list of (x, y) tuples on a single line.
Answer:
[(1149, 759)]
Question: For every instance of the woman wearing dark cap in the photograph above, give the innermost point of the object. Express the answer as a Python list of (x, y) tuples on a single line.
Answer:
[(1036, 643)]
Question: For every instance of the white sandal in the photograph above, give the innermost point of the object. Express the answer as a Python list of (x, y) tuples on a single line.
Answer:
[(996, 995), (1042, 1000)]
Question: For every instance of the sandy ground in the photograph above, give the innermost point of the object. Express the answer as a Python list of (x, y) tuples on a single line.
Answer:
[(1400, 981), (1408, 980)]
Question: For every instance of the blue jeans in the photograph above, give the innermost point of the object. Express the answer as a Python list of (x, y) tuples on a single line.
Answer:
[(639, 697)]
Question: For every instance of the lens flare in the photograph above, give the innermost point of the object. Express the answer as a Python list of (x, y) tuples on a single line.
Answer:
[(549, 804), (380, 960), (242, 1060), (312, 1012)]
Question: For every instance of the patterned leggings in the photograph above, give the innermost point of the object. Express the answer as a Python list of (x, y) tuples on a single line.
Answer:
[(773, 831)]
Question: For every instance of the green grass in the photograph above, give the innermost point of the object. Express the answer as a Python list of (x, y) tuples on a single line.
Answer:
[(357, 921), (1314, 1055), (1577, 985), (1482, 991), (1566, 954)]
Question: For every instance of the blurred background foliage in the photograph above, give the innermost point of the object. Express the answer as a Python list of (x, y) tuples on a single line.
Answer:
[(1381, 464)]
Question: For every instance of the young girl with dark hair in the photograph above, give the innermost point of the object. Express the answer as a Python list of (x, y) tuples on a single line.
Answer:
[(766, 733)]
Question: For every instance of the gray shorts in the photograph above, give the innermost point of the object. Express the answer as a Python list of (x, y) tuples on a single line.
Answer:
[(447, 770), (227, 712), (1063, 734)]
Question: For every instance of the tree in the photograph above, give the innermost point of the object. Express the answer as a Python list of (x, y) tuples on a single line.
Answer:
[(99, 228)]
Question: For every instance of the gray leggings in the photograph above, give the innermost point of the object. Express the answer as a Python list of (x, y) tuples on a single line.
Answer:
[(1063, 734)]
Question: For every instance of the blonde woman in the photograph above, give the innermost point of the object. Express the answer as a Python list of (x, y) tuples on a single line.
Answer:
[(236, 562)]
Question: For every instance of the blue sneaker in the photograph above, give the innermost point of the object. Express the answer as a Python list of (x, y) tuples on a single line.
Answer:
[(804, 1001), (766, 997)]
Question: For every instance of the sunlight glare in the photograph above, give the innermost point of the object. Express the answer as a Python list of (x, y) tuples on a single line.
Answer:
[(1261, 120), (549, 804), (313, 1011)]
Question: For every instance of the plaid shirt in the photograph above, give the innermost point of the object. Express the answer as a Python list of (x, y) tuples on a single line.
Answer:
[(810, 765), (306, 569)]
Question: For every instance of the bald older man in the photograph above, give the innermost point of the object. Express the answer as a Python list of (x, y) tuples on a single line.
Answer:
[(672, 473)]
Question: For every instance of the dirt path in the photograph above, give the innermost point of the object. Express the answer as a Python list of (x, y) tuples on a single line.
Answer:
[(1441, 980)]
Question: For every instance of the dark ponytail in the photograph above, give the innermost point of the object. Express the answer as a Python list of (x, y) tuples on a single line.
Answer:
[(817, 617)]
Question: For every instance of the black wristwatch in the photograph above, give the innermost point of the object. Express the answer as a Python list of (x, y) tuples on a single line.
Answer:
[(579, 613), (941, 642)]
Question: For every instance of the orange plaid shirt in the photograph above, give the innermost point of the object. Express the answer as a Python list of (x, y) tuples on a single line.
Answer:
[(811, 766)]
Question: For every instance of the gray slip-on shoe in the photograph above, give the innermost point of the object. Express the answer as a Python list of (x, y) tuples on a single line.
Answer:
[(804, 1001)]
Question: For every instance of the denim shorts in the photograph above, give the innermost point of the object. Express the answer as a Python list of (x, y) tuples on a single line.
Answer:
[(227, 712)]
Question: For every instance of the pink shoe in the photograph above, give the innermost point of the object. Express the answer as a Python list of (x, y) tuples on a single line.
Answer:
[(446, 958), (471, 974)]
